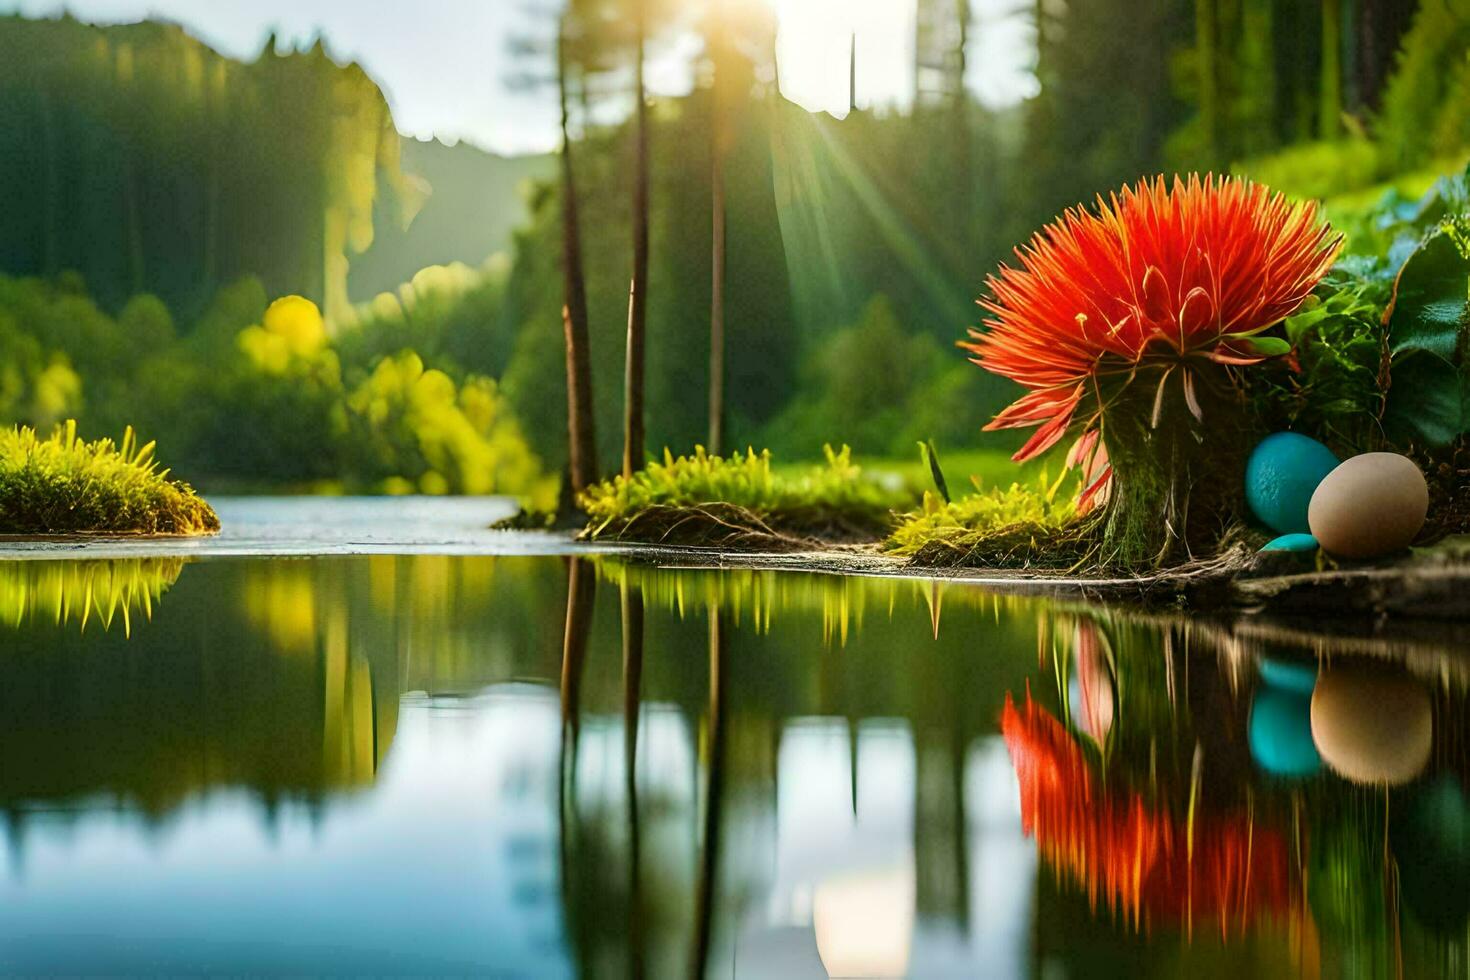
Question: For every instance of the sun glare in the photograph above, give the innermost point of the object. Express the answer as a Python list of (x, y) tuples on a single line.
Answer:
[(815, 47)]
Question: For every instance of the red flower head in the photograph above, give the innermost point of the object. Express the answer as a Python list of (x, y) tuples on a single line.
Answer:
[(1175, 275)]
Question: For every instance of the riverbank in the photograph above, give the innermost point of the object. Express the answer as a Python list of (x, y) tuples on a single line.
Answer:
[(1429, 584)]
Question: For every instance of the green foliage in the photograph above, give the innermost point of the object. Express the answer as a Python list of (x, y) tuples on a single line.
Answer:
[(449, 315), (1020, 524), (1379, 347), (262, 395), (63, 485), (1334, 390), (1316, 169), (739, 499), (1430, 398), (411, 429)]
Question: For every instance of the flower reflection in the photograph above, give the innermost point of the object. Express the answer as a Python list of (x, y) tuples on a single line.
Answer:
[(1091, 692), (1136, 857)]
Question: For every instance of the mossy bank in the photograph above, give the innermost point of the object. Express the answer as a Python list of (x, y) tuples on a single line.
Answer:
[(62, 484)]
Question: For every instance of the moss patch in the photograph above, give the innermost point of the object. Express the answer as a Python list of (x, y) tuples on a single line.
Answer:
[(65, 485), (741, 502), (1021, 526)]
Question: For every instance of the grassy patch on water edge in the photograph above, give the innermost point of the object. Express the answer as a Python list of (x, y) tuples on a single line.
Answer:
[(61, 484), (1000, 527), (742, 501)]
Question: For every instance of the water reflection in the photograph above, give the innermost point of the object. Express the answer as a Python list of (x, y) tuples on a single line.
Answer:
[(84, 591), (559, 767)]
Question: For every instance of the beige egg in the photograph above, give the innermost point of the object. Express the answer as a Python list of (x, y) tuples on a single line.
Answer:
[(1372, 726), (1371, 505)]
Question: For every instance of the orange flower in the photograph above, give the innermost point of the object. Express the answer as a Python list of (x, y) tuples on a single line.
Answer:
[(1174, 276)]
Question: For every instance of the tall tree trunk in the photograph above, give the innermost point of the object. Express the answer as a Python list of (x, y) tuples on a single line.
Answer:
[(718, 148), (1207, 49), (638, 290), (1329, 110), (581, 428), (961, 142)]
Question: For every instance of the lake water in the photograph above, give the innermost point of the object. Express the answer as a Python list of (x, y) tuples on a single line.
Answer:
[(554, 766)]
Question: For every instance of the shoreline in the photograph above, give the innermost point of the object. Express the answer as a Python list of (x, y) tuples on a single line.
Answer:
[(1418, 588)]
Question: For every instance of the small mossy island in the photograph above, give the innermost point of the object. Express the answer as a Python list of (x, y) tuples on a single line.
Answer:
[(62, 484), (740, 501)]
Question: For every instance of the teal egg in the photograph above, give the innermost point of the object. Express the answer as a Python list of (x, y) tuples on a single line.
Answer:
[(1280, 734), (1281, 475), (1292, 542)]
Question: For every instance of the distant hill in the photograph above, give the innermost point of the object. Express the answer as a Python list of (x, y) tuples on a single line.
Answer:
[(474, 205)]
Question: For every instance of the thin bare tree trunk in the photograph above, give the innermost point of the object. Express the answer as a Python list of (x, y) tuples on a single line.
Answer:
[(638, 291), (963, 157), (717, 264), (581, 427)]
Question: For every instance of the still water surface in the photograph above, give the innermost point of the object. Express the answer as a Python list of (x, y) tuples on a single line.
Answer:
[(544, 767)]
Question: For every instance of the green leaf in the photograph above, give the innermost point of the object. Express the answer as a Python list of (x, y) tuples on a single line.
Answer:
[(1429, 391), (1429, 399), (1312, 312), (1430, 301), (1263, 346), (931, 456)]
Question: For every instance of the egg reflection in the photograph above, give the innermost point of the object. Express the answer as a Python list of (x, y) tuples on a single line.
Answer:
[(1280, 729), (1281, 734), (864, 923), (1372, 725)]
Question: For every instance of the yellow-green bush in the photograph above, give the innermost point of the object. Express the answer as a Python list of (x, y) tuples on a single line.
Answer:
[(417, 432), (62, 484)]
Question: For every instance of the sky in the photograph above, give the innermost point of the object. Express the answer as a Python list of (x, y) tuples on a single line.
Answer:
[(445, 64)]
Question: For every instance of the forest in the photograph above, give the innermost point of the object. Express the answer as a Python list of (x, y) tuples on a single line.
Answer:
[(207, 249)]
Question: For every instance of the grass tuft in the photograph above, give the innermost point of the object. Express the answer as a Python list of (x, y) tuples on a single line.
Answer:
[(1022, 525), (64, 485), (740, 501)]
